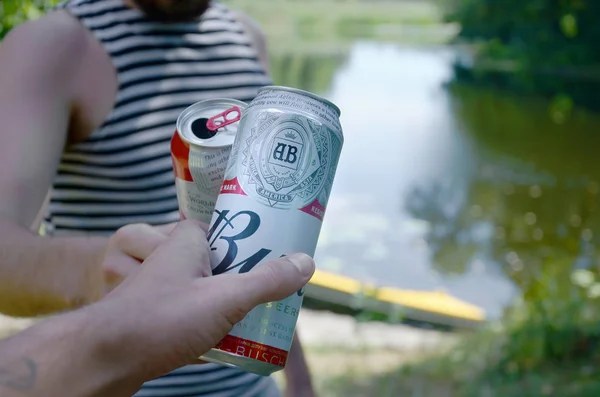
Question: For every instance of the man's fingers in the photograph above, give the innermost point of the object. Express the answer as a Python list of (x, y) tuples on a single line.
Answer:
[(139, 240), (272, 281), (204, 226), (186, 235), (278, 279), (166, 229), (115, 270), (185, 253)]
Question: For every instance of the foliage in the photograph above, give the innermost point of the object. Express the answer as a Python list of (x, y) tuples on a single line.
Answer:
[(531, 210), (15, 12), (540, 341), (545, 346), (564, 32), (539, 47), (311, 72), (330, 26)]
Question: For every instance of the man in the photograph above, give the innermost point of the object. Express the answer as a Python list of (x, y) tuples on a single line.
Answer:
[(161, 318), (89, 96)]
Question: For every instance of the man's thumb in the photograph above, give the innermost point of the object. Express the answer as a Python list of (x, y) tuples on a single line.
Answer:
[(272, 281)]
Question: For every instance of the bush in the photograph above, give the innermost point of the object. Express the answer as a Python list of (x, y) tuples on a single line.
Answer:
[(539, 32), (15, 12)]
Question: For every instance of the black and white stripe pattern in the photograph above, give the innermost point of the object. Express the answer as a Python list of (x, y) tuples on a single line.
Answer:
[(210, 380), (123, 173)]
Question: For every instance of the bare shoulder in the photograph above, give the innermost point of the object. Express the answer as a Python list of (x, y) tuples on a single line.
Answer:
[(58, 28), (47, 46), (57, 56)]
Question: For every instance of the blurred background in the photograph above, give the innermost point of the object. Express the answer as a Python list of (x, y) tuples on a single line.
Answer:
[(470, 170)]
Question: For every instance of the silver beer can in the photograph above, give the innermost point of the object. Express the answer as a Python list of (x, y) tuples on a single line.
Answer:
[(272, 203), (200, 150)]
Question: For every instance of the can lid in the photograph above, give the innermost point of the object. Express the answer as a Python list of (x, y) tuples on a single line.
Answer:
[(195, 124)]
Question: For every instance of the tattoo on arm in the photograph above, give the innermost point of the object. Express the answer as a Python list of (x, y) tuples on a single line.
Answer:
[(20, 376)]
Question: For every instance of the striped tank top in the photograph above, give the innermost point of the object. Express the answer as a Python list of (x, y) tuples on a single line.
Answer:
[(123, 172)]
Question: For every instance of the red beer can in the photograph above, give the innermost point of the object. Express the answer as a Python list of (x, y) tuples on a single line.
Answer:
[(200, 150)]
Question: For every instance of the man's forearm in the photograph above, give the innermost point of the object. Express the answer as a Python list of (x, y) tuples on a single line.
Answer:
[(43, 275), (62, 356)]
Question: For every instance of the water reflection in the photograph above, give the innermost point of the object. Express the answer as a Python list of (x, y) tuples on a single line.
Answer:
[(311, 72), (456, 189)]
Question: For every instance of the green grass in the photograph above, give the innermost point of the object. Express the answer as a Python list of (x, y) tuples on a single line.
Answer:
[(543, 347), (330, 25), (473, 369)]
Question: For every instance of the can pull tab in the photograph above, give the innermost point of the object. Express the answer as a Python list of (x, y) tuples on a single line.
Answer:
[(229, 116)]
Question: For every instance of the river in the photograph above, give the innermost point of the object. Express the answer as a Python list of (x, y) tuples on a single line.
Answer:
[(451, 188)]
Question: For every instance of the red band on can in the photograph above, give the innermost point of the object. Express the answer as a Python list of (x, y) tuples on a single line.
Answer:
[(253, 350), (315, 209), (232, 186), (180, 153)]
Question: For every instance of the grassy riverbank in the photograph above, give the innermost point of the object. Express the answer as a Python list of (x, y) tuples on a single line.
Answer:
[(330, 26), (471, 370), (541, 348)]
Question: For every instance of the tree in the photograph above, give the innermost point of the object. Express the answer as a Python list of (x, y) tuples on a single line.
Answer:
[(537, 32), (15, 12)]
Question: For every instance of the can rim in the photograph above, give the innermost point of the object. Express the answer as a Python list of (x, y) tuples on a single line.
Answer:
[(190, 110), (305, 93)]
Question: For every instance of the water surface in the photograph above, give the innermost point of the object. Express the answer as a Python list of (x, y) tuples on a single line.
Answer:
[(456, 189)]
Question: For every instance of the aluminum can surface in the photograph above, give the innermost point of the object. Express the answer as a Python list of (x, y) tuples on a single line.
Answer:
[(272, 203), (200, 155)]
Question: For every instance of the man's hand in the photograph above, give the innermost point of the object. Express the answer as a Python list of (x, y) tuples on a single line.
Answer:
[(161, 318), (128, 248), (170, 313)]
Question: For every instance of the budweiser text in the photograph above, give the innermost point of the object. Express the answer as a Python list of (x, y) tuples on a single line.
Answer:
[(272, 203)]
